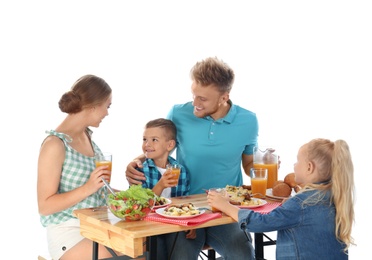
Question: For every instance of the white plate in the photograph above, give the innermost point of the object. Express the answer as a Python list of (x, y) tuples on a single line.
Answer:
[(167, 202), (262, 202), (269, 194), (161, 213)]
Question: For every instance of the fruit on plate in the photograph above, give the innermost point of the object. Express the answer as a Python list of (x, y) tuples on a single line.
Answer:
[(134, 203)]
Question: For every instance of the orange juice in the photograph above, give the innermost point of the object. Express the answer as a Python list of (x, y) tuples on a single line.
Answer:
[(222, 192), (176, 172), (104, 163), (259, 185), (272, 172)]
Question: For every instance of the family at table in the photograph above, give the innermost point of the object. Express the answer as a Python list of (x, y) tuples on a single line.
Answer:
[(213, 140)]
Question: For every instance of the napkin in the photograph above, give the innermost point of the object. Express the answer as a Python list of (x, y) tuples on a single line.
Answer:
[(184, 222), (267, 208)]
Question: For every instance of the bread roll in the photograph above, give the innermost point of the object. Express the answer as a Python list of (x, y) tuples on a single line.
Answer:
[(277, 182), (290, 180), (281, 189)]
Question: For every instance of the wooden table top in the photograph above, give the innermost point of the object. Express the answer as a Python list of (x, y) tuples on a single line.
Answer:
[(100, 225)]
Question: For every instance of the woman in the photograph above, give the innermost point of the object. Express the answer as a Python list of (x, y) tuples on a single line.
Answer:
[(67, 176)]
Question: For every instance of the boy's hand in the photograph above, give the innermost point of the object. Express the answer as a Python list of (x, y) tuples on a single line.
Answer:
[(167, 180)]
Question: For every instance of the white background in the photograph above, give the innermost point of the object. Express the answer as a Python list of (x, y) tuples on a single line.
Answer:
[(304, 68)]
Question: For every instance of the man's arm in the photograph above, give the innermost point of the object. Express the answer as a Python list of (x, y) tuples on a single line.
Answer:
[(247, 163), (134, 176)]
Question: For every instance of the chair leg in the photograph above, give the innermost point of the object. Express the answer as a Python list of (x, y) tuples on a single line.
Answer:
[(211, 254)]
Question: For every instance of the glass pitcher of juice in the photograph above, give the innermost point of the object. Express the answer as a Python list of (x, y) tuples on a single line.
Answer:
[(265, 157)]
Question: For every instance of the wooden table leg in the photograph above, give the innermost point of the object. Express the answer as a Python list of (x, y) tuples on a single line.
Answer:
[(151, 248)]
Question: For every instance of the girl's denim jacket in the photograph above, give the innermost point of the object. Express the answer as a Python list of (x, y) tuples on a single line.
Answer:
[(305, 231)]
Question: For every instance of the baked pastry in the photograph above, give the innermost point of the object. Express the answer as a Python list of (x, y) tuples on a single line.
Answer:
[(290, 180), (281, 189), (277, 182)]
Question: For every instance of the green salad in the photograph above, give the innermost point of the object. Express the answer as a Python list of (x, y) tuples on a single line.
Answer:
[(132, 204)]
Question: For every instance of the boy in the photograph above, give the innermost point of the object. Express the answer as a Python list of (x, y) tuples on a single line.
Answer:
[(159, 139)]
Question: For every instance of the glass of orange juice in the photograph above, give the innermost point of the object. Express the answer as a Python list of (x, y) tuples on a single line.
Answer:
[(175, 169), (266, 158), (221, 191), (104, 159), (259, 182)]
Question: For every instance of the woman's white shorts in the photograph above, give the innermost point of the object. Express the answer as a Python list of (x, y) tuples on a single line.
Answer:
[(63, 237)]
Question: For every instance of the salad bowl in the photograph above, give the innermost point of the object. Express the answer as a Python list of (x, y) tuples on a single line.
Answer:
[(134, 203)]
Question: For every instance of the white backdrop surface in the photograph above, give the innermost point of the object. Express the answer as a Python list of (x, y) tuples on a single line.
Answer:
[(304, 68)]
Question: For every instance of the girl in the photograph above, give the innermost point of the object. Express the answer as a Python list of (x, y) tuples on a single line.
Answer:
[(316, 223)]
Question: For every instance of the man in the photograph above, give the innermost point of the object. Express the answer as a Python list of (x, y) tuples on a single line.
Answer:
[(215, 138)]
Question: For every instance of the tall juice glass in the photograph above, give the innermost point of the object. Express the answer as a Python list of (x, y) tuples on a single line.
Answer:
[(104, 159), (267, 159), (272, 170), (259, 182), (222, 191), (175, 170)]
